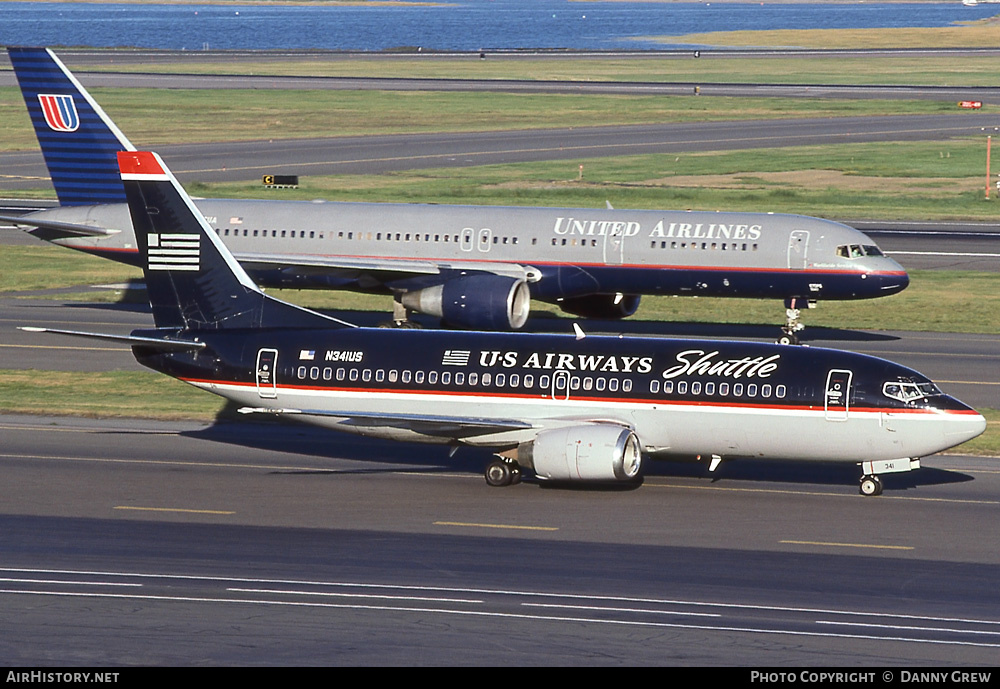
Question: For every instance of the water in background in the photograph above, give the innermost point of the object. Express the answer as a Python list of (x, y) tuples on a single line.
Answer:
[(460, 25)]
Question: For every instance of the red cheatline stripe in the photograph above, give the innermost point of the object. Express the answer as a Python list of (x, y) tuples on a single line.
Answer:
[(540, 395)]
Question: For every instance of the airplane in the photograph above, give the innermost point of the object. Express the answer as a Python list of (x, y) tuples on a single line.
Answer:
[(471, 266), (569, 408)]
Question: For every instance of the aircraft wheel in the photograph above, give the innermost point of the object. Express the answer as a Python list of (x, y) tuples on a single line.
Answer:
[(871, 485), (498, 473), (788, 340)]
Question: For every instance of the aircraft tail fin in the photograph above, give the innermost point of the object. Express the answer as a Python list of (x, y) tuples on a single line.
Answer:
[(78, 140), (193, 281)]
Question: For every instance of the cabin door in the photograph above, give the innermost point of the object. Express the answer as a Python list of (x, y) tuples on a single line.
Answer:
[(614, 246), (798, 248), (267, 361), (838, 395)]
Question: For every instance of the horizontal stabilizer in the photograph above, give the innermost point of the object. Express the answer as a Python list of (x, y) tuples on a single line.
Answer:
[(74, 229), (154, 342)]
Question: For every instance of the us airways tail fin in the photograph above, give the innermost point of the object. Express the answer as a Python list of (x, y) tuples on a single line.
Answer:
[(193, 281), (78, 140)]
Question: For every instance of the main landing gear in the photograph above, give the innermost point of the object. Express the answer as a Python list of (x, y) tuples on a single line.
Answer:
[(503, 472), (400, 318)]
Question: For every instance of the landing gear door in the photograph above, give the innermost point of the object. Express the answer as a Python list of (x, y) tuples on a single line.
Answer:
[(267, 361), (798, 248), (838, 395)]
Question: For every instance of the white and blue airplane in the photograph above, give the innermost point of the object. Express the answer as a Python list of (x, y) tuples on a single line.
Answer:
[(567, 408), (472, 266)]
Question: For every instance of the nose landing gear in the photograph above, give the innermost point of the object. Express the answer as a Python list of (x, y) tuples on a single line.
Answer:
[(870, 485)]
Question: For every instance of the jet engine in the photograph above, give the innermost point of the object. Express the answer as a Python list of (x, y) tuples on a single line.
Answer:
[(606, 306), (481, 302), (598, 452)]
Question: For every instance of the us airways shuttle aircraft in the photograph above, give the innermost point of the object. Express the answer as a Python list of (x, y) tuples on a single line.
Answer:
[(566, 408), (472, 266)]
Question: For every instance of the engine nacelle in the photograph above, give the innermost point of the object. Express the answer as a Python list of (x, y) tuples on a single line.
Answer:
[(482, 302), (599, 452), (606, 306)]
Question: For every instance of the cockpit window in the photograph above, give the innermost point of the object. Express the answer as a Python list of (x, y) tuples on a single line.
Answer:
[(909, 391), (858, 250)]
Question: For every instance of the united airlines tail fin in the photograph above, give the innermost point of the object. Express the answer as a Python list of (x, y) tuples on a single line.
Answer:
[(193, 281), (78, 140)]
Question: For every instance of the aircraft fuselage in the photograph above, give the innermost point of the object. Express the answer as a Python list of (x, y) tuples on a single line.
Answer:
[(685, 397)]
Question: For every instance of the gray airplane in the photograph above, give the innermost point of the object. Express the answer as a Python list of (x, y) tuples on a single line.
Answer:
[(472, 266)]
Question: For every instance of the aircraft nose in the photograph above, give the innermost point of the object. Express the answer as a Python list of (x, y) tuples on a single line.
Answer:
[(963, 425), (894, 281)]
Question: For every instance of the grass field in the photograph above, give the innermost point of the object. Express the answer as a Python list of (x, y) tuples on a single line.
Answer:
[(896, 180)]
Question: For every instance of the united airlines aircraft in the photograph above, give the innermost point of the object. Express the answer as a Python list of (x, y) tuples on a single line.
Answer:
[(567, 408), (472, 266)]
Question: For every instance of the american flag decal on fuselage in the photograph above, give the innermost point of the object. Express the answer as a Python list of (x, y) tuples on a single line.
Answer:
[(456, 357), (174, 251)]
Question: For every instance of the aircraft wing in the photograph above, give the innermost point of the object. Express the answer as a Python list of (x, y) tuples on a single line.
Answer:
[(303, 264), (425, 424), (73, 229)]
